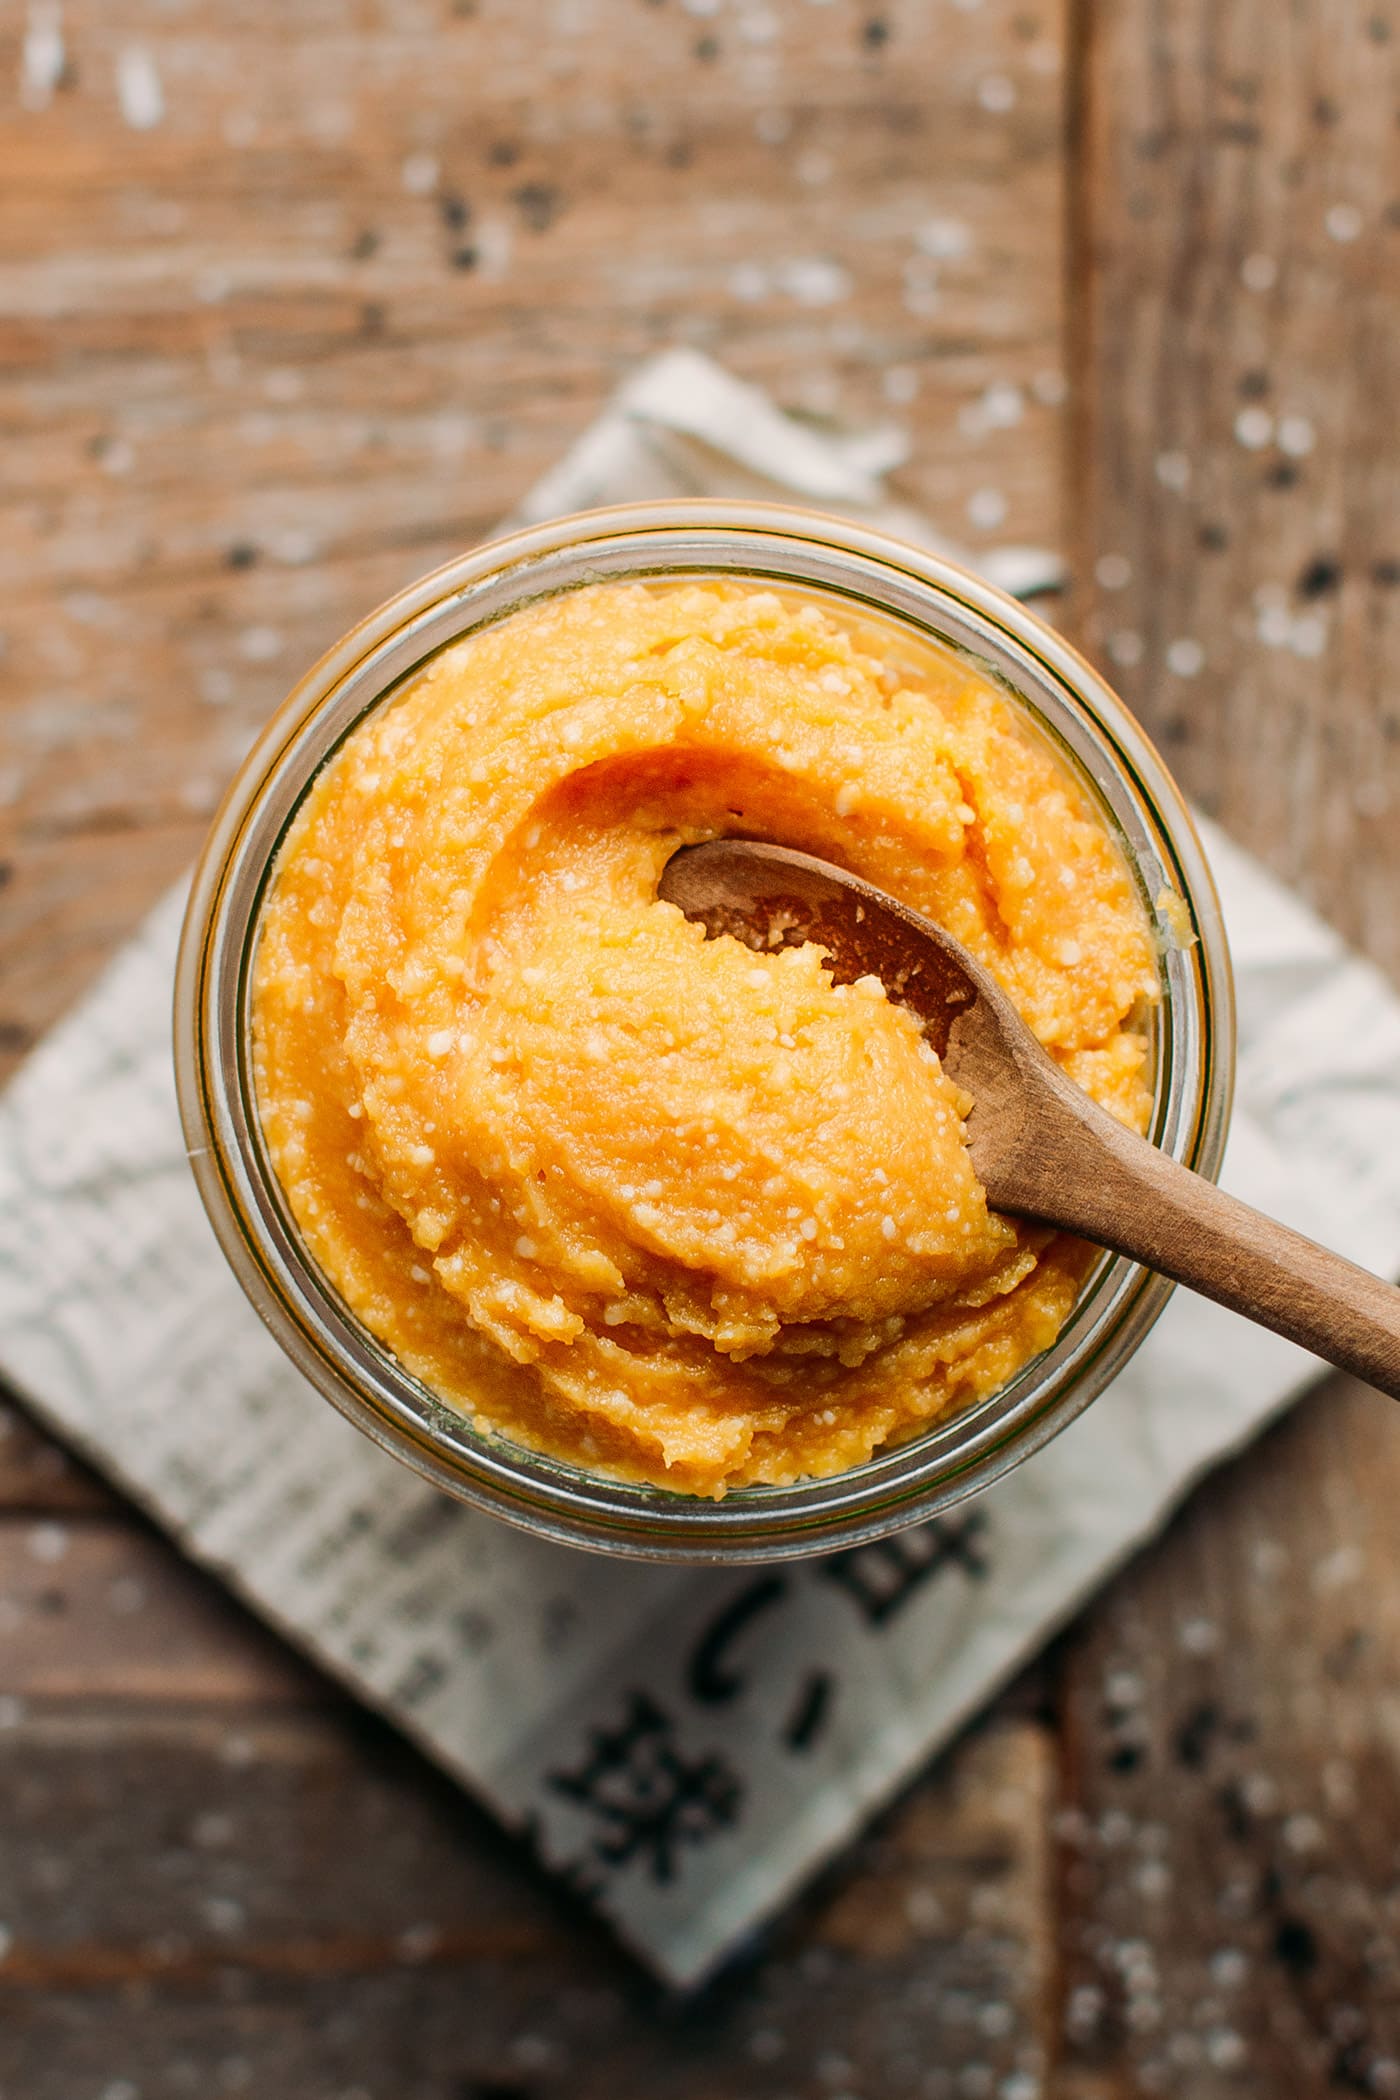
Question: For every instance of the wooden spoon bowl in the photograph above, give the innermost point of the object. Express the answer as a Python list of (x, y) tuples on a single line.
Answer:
[(1040, 1146)]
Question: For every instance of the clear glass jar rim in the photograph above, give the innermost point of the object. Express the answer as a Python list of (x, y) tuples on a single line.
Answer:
[(1104, 745)]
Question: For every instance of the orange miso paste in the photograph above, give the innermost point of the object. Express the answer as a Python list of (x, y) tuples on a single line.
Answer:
[(661, 1206)]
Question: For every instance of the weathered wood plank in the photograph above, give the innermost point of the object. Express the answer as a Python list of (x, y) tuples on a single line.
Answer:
[(37, 1477), (1232, 1819), (284, 1911), (261, 362), (1238, 499), (361, 278), (96, 1606), (1232, 1762)]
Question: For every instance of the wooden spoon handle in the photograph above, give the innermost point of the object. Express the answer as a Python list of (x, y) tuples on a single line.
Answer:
[(1124, 1193)]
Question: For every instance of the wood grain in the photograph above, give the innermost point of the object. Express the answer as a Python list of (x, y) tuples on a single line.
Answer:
[(1232, 1782), (222, 1934), (37, 1477), (1232, 1808), (1236, 500), (307, 334), (260, 364), (317, 328), (98, 1608)]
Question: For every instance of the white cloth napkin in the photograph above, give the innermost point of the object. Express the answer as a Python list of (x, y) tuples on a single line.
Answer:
[(684, 1746)]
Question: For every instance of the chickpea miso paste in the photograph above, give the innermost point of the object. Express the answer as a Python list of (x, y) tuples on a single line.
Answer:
[(657, 1205)]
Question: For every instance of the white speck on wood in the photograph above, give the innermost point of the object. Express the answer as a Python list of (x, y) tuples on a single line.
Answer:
[(986, 509), (259, 644), (996, 92), (419, 174), (240, 128), (42, 57), (1296, 436), (139, 91), (1174, 471), (1185, 657), (748, 281), (944, 239), (494, 246), (814, 280), (1253, 428)]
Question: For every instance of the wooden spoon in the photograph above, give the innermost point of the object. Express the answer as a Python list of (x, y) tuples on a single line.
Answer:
[(1041, 1148)]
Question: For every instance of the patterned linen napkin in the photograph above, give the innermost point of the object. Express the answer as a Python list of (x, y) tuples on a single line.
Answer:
[(685, 1746)]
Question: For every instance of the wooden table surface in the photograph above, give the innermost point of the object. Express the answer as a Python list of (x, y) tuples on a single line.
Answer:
[(295, 300)]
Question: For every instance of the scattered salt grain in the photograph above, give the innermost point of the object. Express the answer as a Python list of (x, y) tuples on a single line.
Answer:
[(42, 57), (1309, 636), (138, 88), (1254, 427), (48, 1543), (1259, 1794), (1185, 657), (758, 26), (1153, 1880), (1051, 389), (1337, 1569), (986, 509), (814, 280), (223, 1914), (419, 174), (996, 92), (1000, 407), (1224, 2048), (943, 239)]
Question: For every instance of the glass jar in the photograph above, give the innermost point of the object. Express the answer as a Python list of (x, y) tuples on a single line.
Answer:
[(858, 573)]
